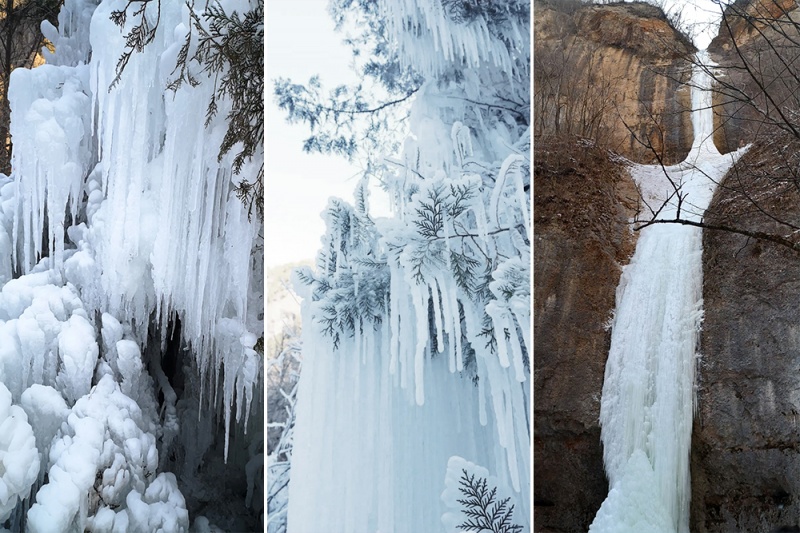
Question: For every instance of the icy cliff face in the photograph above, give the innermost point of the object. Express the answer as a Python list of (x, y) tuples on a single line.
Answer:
[(120, 223), (416, 329), (160, 222)]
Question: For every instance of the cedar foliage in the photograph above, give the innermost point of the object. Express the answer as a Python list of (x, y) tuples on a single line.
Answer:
[(230, 48), (484, 510)]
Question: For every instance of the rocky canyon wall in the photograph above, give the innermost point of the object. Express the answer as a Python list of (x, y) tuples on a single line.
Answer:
[(613, 73), (757, 45), (581, 236), (746, 442)]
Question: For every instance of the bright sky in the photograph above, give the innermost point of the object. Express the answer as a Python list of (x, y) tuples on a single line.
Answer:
[(300, 43), (702, 14)]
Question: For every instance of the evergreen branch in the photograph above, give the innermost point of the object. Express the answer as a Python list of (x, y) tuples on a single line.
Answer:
[(482, 507)]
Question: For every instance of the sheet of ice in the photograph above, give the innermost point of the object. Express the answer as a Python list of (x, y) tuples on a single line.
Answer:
[(403, 368), (648, 393)]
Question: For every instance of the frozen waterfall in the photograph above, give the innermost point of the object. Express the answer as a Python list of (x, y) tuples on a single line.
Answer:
[(416, 328), (648, 394)]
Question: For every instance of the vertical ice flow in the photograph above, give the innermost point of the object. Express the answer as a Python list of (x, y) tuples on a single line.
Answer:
[(648, 393)]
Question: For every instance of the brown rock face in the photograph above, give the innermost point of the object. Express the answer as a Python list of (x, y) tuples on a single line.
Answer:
[(745, 458), (614, 74), (746, 21), (581, 237), (757, 39)]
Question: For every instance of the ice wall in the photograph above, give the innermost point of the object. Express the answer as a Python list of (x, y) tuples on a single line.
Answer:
[(119, 219), (161, 233), (364, 457), (416, 331), (648, 393)]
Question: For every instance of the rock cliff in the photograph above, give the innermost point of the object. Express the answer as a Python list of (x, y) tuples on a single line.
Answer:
[(581, 236), (613, 73), (746, 441), (751, 45)]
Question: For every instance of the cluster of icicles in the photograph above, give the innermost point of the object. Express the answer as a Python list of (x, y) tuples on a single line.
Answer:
[(380, 417), (424, 31), (160, 231)]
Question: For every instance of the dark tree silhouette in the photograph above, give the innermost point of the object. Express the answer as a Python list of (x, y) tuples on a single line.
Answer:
[(20, 41)]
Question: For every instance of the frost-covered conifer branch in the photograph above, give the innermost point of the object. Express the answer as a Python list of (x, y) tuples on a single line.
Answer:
[(342, 122), (229, 47), (139, 36), (481, 505)]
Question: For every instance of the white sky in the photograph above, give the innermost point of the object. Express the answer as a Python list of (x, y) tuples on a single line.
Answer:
[(300, 43), (702, 14)]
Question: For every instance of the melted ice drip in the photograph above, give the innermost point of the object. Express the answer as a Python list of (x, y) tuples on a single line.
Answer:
[(648, 394)]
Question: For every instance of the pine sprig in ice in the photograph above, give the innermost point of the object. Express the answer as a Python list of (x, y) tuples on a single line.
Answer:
[(485, 511)]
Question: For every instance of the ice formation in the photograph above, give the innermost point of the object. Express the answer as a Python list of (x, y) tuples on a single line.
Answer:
[(120, 230), (19, 458), (648, 393), (416, 329)]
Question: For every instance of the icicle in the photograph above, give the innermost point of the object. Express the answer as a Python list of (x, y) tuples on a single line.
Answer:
[(508, 166), (437, 315), (448, 324), (498, 323), (522, 198), (420, 296), (516, 350), (481, 391), (395, 292)]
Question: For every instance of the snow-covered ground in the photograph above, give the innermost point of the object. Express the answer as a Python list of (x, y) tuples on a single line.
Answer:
[(648, 392)]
